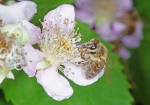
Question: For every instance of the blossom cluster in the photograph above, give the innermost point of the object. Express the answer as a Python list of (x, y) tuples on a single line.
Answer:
[(58, 50), (115, 21)]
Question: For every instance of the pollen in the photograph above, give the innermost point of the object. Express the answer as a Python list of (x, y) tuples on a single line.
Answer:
[(10, 53), (59, 42)]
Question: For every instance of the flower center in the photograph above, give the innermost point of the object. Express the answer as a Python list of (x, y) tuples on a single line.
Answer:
[(10, 53), (105, 10), (59, 45)]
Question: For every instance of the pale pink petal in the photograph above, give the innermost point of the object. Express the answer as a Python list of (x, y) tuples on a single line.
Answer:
[(130, 41), (76, 74), (117, 27), (85, 5), (34, 31), (133, 40), (32, 57), (24, 10), (124, 53), (85, 16), (124, 5), (58, 15), (139, 30), (105, 31), (55, 85)]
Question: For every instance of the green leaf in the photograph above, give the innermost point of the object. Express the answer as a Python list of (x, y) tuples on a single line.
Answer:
[(26, 91), (2, 99), (143, 8), (2, 102)]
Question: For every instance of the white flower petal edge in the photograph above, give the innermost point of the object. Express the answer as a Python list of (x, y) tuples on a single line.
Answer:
[(61, 16), (10, 75), (3, 76), (55, 85), (32, 57), (34, 31), (76, 74), (24, 10)]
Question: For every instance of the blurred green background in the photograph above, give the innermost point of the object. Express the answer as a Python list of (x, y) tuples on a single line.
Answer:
[(130, 79)]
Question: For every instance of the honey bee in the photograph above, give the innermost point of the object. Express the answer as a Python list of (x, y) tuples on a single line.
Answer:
[(95, 56)]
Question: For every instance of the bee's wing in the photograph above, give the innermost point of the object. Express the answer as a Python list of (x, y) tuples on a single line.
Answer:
[(108, 74), (109, 62)]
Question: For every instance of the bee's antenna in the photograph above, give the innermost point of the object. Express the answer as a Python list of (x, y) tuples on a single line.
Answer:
[(86, 35)]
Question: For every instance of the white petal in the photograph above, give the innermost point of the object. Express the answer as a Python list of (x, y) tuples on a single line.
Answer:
[(34, 31), (24, 10), (58, 15), (10, 75), (42, 65), (32, 57), (55, 85), (76, 74), (2, 77)]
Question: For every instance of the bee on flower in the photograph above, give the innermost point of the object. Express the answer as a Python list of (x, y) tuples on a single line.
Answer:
[(58, 43)]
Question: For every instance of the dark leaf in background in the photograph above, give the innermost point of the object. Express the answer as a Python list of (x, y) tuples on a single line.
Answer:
[(2, 99), (138, 66), (2, 102), (143, 8)]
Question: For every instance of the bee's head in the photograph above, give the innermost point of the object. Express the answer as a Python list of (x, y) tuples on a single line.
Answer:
[(92, 45)]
